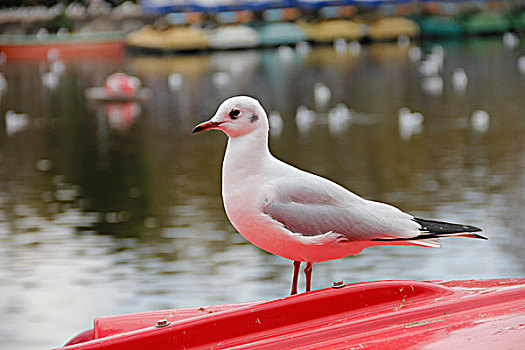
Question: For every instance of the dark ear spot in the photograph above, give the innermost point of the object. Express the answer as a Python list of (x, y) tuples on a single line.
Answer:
[(234, 113), (254, 118)]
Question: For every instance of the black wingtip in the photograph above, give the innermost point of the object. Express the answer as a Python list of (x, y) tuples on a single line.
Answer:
[(433, 226), (431, 229), (470, 228)]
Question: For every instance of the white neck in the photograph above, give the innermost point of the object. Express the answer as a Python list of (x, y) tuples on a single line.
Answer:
[(244, 154)]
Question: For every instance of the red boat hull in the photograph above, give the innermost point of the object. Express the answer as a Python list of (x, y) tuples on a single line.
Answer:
[(65, 50), (482, 314)]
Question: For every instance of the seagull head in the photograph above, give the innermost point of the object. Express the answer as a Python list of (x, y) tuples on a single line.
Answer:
[(237, 116)]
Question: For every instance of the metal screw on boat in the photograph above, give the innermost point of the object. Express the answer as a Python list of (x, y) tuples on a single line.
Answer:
[(338, 284), (162, 323)]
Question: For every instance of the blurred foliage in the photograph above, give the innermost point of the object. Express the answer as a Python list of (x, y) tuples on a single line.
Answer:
[(61, 21)]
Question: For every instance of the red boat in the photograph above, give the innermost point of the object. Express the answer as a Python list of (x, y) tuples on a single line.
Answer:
[(474, 314), (66, 46)]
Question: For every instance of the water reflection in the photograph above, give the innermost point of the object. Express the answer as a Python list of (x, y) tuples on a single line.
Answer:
[(116, 208)]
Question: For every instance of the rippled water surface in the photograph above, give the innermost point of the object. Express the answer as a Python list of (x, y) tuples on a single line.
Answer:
[(109, 209)]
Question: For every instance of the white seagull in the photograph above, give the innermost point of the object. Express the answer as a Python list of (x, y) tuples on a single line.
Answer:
[(298, 215)]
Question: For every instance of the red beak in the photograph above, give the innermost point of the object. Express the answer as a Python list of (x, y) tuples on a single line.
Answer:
[(206, 126)]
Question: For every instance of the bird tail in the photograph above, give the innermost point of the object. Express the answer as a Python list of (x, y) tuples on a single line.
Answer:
[(432, 231), (428, 242)]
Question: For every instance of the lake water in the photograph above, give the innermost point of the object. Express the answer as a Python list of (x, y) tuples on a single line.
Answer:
[(108, 209)]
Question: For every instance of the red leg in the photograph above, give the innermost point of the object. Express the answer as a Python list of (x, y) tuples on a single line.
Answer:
[(308, 273), (296, 266)]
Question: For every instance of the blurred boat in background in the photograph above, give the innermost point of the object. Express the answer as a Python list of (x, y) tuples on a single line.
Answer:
[(119, 87), (392, 28), (482, 23), (439, 26), (72, 31), (169, 26), (63, 46), (279, 27), (149, 39), (289, 22)]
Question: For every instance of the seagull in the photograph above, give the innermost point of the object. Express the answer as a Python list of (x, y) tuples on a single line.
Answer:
[(221, 79), (354, 47), (304, 118), (50, 80), (298, 215), (175, 81), (276, 123), (432, 85), (459, 79), (322, 95), (340, 45), (480, 120), (409, 123), (3, 83), (339, 118), (414, 53), (510, 40), (15, 122), (521, 64)]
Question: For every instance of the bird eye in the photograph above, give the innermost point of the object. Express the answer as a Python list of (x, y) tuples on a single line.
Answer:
[(234, 113)]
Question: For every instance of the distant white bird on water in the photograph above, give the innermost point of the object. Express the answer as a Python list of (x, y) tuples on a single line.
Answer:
[(339, 118), (340, 45), (429, 67), (459, 79), (15, 122), (414, 53), (3, 83), (304, 118), (521, 64), (175, 81), (298, 215), (58, 67), (409, 123), (437, 53), (50, 80), (480, 120), (276, 123), (322, 95), (354, 47), (432, 85), (510, 40), (221, 79), (433, 62)]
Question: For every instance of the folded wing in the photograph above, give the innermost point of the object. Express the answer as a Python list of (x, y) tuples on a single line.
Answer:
[(316, 206)]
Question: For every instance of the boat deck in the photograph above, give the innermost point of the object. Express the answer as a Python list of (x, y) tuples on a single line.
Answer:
[(371, 315)]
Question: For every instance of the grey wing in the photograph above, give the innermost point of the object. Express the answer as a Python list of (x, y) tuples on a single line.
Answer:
[(318, 206)]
